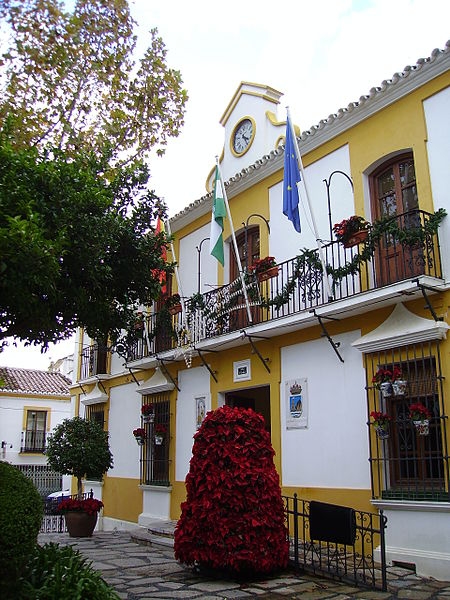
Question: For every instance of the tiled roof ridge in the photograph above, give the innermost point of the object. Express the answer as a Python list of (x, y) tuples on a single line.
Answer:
[(386, 84), (34, 381)]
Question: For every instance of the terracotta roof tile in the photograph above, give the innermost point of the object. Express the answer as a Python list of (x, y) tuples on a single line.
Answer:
[(31, 381)]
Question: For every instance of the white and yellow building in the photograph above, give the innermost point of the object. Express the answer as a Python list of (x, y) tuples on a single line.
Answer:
[(303, 359)]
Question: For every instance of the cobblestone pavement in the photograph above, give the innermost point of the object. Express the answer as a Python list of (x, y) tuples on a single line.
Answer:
[(137, 572)]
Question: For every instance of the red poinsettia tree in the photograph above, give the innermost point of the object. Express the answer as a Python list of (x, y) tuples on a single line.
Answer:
[(233, 517)]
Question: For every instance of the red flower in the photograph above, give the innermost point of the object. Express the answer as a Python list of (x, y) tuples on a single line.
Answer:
[(89, 506), (263, 264), (380, 418), (346, 228), (233, 517), (139, 432), (419, 412), (147, 409), (160, 429)]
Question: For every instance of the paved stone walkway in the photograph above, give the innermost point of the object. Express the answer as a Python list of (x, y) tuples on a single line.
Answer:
[(137, 571)]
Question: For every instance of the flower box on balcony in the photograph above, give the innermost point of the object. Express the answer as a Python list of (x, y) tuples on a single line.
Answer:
[(265, 275)]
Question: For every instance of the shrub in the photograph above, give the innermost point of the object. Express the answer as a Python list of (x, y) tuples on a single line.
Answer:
[(233, 517), (21, 511), (80, 448), (62, 572)]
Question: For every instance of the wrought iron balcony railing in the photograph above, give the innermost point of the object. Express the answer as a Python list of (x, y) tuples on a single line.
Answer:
[(401, 248), (94, 361), (33, 441)]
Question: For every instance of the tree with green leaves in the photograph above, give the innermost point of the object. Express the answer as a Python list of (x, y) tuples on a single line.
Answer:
[(78, 246), (76, 250), (71, 80), (79, 447)]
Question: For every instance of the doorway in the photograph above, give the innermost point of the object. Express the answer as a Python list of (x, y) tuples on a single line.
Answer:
[(257, 398)]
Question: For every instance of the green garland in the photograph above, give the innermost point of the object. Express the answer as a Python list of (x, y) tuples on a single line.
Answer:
[(412, 237)]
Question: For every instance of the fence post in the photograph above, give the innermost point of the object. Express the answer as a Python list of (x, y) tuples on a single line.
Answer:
[(296, 531), (383, 521)]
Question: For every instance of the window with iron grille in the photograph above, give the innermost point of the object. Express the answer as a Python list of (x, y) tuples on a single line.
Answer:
[(409, 462), (96, 412), (33, 438), (155, 451)]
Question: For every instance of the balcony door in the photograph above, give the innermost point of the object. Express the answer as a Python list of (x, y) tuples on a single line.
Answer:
[(394, 195), (248, 247), (35, 431)]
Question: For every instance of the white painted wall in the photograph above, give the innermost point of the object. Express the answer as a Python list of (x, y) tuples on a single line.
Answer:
[(285, 242), (124, 416), (193, 383), (188, 263), (333, 450), (437, 117)]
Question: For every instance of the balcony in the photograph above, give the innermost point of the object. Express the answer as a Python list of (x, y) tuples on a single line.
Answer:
[(398, 253), (33, 441), (94, 361)]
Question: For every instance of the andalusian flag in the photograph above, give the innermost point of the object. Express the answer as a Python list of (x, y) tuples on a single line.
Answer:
[(218, 215)]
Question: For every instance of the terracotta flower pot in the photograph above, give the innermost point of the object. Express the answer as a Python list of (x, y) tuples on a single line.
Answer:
[(175, 309), (356, 238), (80, 524), (264, 275)]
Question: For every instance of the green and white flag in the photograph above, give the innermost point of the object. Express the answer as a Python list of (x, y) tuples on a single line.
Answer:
[(218, 214)]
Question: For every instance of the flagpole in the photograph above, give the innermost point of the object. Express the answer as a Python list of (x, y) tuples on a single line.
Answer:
[(313, 220), (236, 251)]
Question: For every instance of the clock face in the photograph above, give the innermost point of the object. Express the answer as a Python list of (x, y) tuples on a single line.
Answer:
[(243, 136)]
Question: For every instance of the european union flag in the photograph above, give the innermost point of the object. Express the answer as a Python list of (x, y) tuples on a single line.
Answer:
[(291, 178)]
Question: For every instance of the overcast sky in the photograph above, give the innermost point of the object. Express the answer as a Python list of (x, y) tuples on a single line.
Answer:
[(322, 54)]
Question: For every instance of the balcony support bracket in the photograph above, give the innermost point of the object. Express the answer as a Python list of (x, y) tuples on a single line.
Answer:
[(255, 349), (334, 345), (133, 376), (166, 372), (423, 289), (82, 389), (212, 373), (101, 384)]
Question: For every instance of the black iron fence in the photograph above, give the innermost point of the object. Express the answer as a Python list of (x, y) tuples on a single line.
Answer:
[(337, 541), (53, 521)]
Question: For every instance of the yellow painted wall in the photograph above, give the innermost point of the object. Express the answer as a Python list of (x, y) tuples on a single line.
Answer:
[(122, 498)]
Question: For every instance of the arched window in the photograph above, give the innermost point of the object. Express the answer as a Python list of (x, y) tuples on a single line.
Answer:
[(393, 187)]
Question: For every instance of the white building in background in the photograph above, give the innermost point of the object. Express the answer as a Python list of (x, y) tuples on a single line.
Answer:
[(32, 403)]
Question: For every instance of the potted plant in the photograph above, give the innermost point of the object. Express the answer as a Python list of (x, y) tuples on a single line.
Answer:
[(79, 447), (139, 435), (399, 383), (381, 423), (351, 231), (383, 381), (160, 431), (173, 304), (420, 416), (264, 268), (148, 413), (80, 515)]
